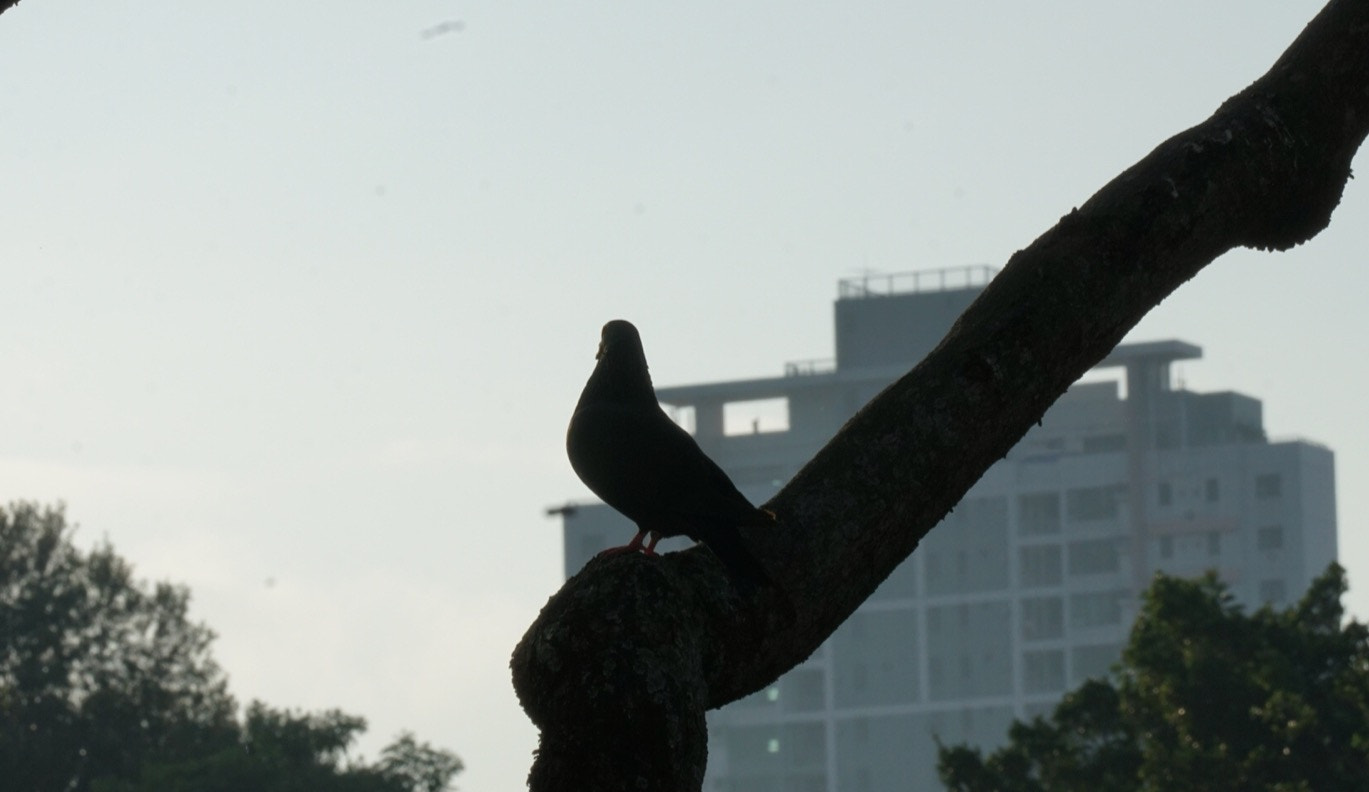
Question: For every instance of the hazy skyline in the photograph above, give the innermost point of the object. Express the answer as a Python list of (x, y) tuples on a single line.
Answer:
[(299, 297)]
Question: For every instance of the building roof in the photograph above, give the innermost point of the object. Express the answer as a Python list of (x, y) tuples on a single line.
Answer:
[(1151, 352), (802, 377)]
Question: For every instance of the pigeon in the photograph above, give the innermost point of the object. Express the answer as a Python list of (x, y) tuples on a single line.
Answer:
[(629, 453)]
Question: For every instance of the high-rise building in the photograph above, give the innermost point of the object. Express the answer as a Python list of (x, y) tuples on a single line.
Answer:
[(1030, 585)]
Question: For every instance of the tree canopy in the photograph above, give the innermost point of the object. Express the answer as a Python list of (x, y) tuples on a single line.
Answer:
[(279, 751), (107, 685), (1206, 696)]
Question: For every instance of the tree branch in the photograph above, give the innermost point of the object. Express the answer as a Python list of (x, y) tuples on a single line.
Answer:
[(619, 667)]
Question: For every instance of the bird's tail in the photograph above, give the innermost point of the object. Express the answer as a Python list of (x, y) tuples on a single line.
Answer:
[(746, 572)]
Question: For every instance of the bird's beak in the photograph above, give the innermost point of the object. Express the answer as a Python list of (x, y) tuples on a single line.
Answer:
[(599, 353)]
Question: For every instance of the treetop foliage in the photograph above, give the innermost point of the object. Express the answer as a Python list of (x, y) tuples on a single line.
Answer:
[(1206, 696), (106, 685)]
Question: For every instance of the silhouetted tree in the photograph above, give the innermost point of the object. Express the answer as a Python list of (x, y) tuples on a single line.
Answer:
[(106, 685), (1205, 697), (98, 674), (620, 666), (284, 752), (418, 766)]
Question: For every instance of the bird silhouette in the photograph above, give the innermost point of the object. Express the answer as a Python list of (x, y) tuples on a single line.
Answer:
[(629, 453)]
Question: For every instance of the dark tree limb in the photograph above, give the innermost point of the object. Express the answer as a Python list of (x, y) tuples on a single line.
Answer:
[(620, 666)]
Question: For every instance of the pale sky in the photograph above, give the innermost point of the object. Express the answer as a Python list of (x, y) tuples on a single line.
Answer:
[(298, 297)]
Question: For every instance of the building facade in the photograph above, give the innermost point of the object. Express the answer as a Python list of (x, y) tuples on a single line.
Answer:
[(1031, 584)]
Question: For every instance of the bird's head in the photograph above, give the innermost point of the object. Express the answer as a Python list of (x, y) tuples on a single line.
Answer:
[(621, 373), (619, 339)]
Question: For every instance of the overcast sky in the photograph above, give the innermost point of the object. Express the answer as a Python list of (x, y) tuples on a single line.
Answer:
[(298, 296)]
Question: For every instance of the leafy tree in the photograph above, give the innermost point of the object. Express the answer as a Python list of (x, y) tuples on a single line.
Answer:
[(1086, 745), (284, 752), (418, 766), (97, 673), (105, 685), (1205, 697)]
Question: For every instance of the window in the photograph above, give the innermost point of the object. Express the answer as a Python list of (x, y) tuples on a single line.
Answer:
[(1038, 513), (1043, 672), (756, 416), (1043, 618), (1268, 485), (1165, 494), (807, 741), (1093, 503), (1040, 565), (1214, 543), (1271, 592), (1270, 537), (1166, 546), (1094, 557), (1096, 609), (1213, 490), (803, 690)]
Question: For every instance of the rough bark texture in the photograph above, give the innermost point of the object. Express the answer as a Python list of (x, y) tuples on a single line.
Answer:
[(620, 666)]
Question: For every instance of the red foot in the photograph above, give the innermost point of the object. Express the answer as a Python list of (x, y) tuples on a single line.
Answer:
[(634, 545)]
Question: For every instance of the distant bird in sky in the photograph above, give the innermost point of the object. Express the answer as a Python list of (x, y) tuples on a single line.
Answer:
[(629, 453), (447, 26)]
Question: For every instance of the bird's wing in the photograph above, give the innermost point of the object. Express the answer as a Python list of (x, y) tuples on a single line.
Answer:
[(640, 462)]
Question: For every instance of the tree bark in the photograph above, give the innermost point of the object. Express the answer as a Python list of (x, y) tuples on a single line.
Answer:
[(622, 663)]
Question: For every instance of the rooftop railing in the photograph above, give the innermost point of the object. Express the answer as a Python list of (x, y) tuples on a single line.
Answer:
[(883, 285), (807, 368)]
